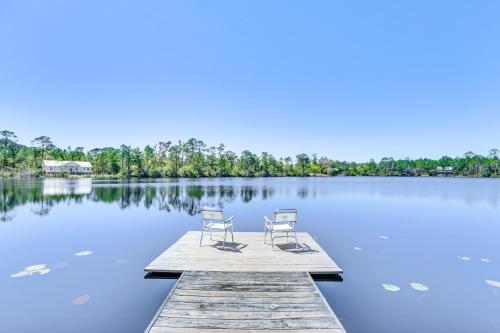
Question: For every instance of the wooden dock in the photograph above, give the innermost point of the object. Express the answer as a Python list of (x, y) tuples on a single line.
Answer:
[(248, 253), (246, 287)]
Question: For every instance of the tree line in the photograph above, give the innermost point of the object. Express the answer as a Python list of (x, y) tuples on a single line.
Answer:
[(193, 158)]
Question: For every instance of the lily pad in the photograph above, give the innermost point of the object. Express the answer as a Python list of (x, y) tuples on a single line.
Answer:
[(464, 258), (383, 237), (35, 268), (357, 248), (493, 283), (20, 274), (30, 270), (419, 286), (81, 299), (485, 260), (390, 287), (83, 253)]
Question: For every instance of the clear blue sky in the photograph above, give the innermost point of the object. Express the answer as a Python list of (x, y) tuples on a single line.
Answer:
[(352, 80)]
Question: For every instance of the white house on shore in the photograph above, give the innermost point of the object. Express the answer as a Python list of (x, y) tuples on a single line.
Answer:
[(71, 167), (446, 171)]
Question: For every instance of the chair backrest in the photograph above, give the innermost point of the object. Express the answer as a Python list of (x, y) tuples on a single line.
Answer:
[(212, 214), (285, 215)]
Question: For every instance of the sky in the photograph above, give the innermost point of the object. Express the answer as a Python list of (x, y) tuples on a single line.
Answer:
[(351, 80)]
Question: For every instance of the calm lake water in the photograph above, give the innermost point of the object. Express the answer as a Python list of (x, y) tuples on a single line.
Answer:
[(442, 233)]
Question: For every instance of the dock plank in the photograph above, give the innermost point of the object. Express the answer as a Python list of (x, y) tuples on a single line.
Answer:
[(224, 305)]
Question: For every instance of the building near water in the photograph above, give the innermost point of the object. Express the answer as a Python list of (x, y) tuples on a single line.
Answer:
[(446, 171), (70, 167)]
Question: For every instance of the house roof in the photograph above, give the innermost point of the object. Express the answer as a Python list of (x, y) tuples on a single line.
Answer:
[(53, 163)]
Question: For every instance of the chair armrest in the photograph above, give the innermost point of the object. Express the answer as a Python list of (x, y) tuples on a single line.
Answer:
[(229, 219), (267, 220)]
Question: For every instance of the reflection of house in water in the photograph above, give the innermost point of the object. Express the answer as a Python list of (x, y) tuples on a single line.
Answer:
[(67, 186), (446, 171)]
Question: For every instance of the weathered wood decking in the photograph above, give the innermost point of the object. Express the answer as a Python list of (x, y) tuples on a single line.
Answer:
[(248, 253), (245, 287), (245, 302)]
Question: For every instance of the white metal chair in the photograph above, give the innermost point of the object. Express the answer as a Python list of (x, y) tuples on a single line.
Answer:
[(212, 220), (283, 221)]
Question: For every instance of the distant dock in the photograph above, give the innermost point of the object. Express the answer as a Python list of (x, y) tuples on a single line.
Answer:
[(244, 287)]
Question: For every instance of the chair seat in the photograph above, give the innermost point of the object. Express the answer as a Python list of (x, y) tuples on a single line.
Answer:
[(216, 226), (280, 227)]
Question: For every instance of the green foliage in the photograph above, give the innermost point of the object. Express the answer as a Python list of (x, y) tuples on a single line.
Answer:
[(194, 158)]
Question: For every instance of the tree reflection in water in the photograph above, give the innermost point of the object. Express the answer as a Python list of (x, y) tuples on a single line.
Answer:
[(188, 195), (164, 196)]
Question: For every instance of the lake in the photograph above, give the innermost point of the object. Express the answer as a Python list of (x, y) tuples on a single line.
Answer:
[(419, 254)]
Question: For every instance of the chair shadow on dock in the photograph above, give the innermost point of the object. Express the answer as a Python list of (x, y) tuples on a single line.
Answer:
[(303, 248), (229, 246)]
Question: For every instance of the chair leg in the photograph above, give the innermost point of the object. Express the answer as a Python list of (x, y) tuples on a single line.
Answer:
[(272, 239), (265, 234), (224, 241), (232, 233), (296, 242), (201, 238)]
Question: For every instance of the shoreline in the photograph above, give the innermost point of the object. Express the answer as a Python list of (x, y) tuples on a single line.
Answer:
[(116, 177)]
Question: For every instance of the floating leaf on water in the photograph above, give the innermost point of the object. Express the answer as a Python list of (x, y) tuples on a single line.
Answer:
[(464, 258), (357, 248), (83, 253), (419, 286), (122, 261), (20, 274), (493, 283), (383, 237), (35, 268), (390, 287), (81, 299), (30, 270), (485, 260)]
